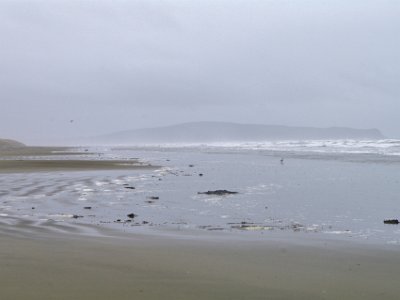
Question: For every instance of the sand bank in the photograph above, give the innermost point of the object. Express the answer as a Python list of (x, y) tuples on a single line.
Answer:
[(36, 151), (17, 166), (45, 266), (28, 159)]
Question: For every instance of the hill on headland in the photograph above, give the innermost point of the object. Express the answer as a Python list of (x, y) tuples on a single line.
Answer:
[(10, 144), (206, 132)]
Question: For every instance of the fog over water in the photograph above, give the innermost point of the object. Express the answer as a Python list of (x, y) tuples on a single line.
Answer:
[(82, 68)]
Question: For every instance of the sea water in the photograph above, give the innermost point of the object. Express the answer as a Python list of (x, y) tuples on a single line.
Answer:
[(341, 189)]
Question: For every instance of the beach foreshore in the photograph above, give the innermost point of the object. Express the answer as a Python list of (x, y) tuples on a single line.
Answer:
[(45, 265), (39, 151), (27, 166), (46, 259), (45, 159)]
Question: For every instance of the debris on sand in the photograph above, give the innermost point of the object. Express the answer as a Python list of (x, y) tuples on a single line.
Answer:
[(249, 226), (392, 221), (129, 187), (218, 192), (131, 215), (253, 227), (211, 228)]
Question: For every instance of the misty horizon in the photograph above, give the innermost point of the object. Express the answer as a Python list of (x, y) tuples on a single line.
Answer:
[(82, 68), (223, 130)]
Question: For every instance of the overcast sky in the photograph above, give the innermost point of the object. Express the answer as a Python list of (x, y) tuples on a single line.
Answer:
[(116, 65)]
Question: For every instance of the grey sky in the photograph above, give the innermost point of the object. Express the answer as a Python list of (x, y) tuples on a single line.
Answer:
[(115, 65)]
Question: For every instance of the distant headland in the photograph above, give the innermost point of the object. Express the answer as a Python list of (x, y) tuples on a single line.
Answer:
[(10, 144), (203, 132)]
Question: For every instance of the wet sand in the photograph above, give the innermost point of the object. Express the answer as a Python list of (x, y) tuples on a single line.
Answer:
[(27, 159), (49, 266), (58, 261), (37, 151), (18, 166)]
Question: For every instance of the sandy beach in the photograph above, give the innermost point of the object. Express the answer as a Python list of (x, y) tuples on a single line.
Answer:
[(199, 150), (70, 259), (32, 151), (44, 266), (28, 160), (17, 166)]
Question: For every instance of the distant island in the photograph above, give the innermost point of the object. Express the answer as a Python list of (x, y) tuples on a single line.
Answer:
[(10, 144), (211, 132)]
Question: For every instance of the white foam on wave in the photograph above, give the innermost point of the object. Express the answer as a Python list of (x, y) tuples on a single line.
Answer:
[(61, 216), (261, 189), (338, 232), (380, 147)]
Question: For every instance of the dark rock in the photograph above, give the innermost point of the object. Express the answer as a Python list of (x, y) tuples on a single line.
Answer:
[(129, 187), (118, 220), (242, 223), (201, 174), (191, 166), (87, 207), (77, 216), (218, 192), (145, 222), (33, 208), (131, 215), (153, 198), (393, 221)]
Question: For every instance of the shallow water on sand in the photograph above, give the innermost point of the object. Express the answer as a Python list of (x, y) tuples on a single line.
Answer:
[(307, 195)]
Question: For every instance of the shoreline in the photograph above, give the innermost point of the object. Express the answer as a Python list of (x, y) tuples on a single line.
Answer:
[(46, 259), (151, 194)]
